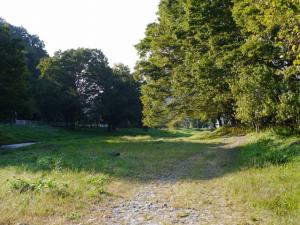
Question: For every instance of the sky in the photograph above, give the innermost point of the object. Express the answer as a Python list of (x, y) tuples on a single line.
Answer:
[(114, 26)]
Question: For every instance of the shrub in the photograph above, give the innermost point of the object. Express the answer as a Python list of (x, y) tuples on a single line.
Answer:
[(40, 185), (96, 184), (50, 163)]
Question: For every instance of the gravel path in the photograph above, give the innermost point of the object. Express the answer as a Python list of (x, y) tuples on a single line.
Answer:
[(145, 209)]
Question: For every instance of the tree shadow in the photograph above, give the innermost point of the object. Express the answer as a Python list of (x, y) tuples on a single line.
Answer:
[(146, 156), (143, 161), (21, 134), (268, 151)]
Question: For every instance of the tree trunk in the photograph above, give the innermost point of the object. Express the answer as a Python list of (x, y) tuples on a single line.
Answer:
[(214, 124), (220, 122), (234, 122), (257, 127)]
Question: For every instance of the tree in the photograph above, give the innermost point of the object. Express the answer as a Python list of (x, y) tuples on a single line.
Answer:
[(160, 53), (122, 107), (34, 50), (253, 91), (228, 61), (272, 30), (13, 76), (184, 62), (77, 80)]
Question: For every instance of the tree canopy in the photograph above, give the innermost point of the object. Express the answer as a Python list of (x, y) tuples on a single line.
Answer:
[(13, 76), (34, 50), (232, 62), (235, 62), (79, 86)]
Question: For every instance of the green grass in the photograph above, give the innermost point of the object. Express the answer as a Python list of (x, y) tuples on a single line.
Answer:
[(60, 179), (19, 134), (268, 179), (64, 174)]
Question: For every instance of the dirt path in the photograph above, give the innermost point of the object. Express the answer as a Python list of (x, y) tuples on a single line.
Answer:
[(146, 209)]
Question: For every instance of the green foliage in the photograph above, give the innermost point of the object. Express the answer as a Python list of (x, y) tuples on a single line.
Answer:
[(34, 50), (231, 61), (97, 185), (72, 85), (184, 63), (121, 104), (79, 86), (13, 76), (271, 32), (49, 163), (255, 98), (41, 184)]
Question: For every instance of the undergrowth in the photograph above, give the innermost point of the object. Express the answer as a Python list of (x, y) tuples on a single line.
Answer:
[(42, 184)]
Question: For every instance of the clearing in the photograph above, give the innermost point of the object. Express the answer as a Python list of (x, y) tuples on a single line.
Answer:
[(155, 177)]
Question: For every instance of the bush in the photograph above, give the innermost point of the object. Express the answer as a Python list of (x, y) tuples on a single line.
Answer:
[(96, 185), (50, 163)]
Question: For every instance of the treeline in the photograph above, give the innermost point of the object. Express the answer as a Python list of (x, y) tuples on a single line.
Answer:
[(232, 61), (74, 86), (20, 53)]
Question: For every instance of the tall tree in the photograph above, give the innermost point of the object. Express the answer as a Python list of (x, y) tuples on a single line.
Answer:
[(184, 62), (121, 104), (160, 53), (76, 80), (34, 50), (272, 32), (13, 76)]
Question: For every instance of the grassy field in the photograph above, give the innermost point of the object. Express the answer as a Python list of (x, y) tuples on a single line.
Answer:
[(68, 171), (67, 174), (268, 179)]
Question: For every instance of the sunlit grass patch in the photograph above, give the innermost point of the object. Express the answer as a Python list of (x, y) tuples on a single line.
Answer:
[(269, 181), (71, 172), (24, 195), (63, 176)]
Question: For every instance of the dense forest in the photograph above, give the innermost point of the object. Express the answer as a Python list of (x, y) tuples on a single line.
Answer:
[(74, 86), (235, 62)]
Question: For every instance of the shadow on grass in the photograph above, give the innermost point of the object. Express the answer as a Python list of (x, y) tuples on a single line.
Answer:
[(20, 134), (269, 151), (132, 160), (144, 156)]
